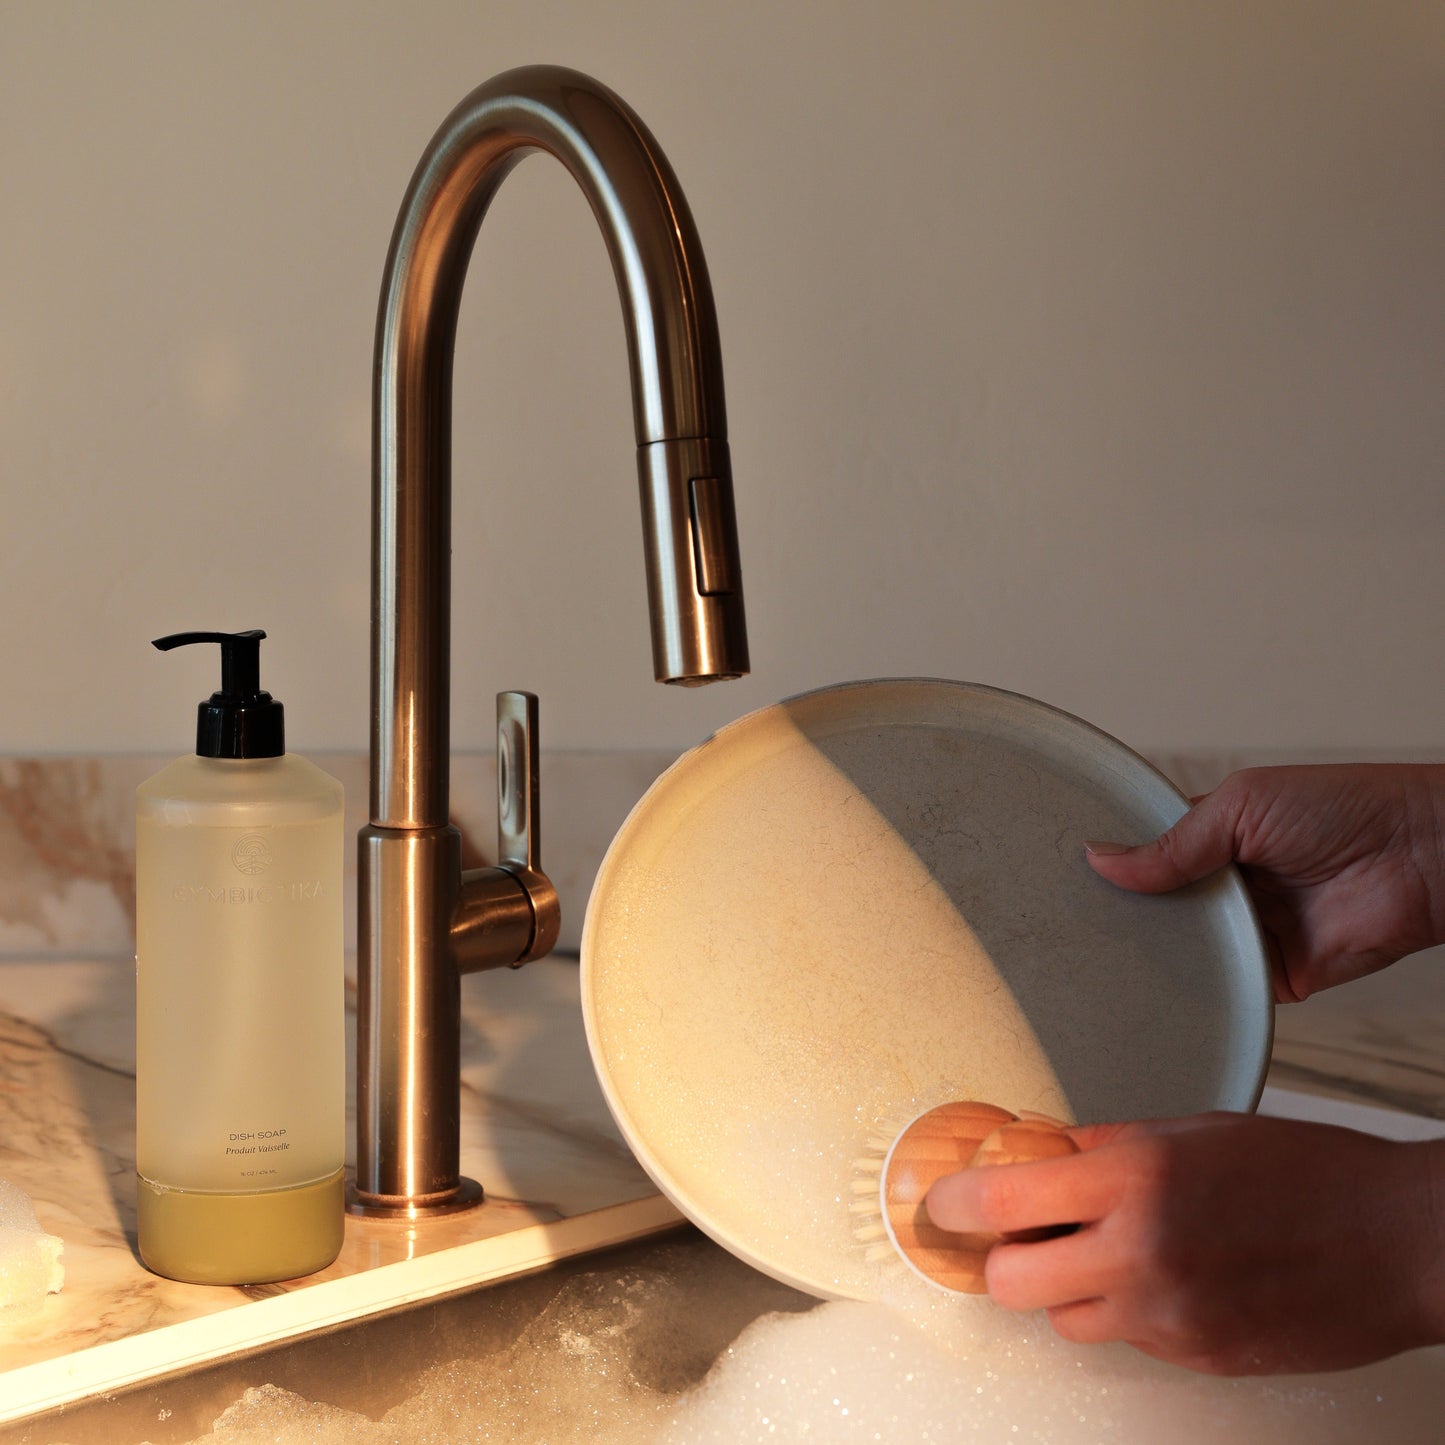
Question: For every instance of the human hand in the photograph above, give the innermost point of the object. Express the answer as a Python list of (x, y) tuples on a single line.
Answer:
[(1345, 864), (1226, 1243)]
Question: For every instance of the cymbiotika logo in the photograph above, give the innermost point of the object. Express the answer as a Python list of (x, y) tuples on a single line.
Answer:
[(251, 855)]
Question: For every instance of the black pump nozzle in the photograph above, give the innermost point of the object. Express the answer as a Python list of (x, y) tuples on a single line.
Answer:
[(239, 721)]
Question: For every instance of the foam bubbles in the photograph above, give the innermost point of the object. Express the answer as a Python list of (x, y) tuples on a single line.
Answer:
[(30, 1265), (269, 1413), (964, 1371), (618, 1357)]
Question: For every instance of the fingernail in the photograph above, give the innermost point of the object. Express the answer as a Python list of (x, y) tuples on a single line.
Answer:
[(1106, 850), (950, 1203)]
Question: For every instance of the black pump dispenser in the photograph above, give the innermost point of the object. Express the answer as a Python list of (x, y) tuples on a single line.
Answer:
[(239, 721)]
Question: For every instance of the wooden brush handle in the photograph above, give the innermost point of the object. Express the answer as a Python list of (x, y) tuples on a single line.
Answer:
[(1025, 1141)]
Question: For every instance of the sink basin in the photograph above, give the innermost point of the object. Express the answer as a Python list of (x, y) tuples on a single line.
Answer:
[(610, 1347), (384, 1362)]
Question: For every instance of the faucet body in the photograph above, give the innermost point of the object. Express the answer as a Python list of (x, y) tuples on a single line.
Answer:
[(422, 923)]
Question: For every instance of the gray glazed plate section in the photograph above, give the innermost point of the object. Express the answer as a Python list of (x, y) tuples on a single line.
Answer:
[(850, 906)]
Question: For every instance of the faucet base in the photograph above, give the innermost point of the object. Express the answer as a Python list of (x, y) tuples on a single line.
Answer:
[(467, 1195)]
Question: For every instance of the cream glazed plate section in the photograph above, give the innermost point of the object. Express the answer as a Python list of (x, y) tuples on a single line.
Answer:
[(850, 906)]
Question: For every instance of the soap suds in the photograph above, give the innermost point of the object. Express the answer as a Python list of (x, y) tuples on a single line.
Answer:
[(603, 1361), (30, 1266)]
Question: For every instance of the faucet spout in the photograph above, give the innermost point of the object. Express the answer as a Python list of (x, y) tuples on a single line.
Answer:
[(420, 923)]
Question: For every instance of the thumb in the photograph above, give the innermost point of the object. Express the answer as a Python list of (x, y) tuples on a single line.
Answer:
[(1199, 844)]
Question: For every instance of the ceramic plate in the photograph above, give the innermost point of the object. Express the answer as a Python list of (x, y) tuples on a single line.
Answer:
[(851, 906)]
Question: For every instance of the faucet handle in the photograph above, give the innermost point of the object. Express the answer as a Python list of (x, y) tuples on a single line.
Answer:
[(519, 821), (519, 841), (508, 915)]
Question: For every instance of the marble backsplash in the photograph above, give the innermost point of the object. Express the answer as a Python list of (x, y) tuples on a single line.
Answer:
[(67, 832), (67, 838)]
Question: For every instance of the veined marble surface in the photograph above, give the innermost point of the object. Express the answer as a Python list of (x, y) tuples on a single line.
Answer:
[(535, 1132), (67, 838), (535, 1129)]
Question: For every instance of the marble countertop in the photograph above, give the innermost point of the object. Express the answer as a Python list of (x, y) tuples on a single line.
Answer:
[(1381, 1039), (557, 1176)]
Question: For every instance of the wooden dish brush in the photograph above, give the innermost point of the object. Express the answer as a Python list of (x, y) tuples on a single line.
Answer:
[(942, 1141)]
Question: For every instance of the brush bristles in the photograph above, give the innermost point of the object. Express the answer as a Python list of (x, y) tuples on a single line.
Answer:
[(870, 1231)]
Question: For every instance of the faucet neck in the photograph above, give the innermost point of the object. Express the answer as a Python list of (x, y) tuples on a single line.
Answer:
[(677, 394)]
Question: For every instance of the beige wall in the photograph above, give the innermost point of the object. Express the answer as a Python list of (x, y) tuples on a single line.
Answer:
[(1095, 351)]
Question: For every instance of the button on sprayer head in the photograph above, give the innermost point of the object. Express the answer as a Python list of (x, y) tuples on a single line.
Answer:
[(239, 721)]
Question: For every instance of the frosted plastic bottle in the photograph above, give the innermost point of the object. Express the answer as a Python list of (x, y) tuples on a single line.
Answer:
[(240, 996)]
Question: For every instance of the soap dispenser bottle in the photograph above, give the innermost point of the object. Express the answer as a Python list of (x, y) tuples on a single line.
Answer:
[(240, 995)]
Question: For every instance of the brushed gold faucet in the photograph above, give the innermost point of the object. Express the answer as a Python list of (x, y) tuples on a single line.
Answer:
[(423, 922)]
